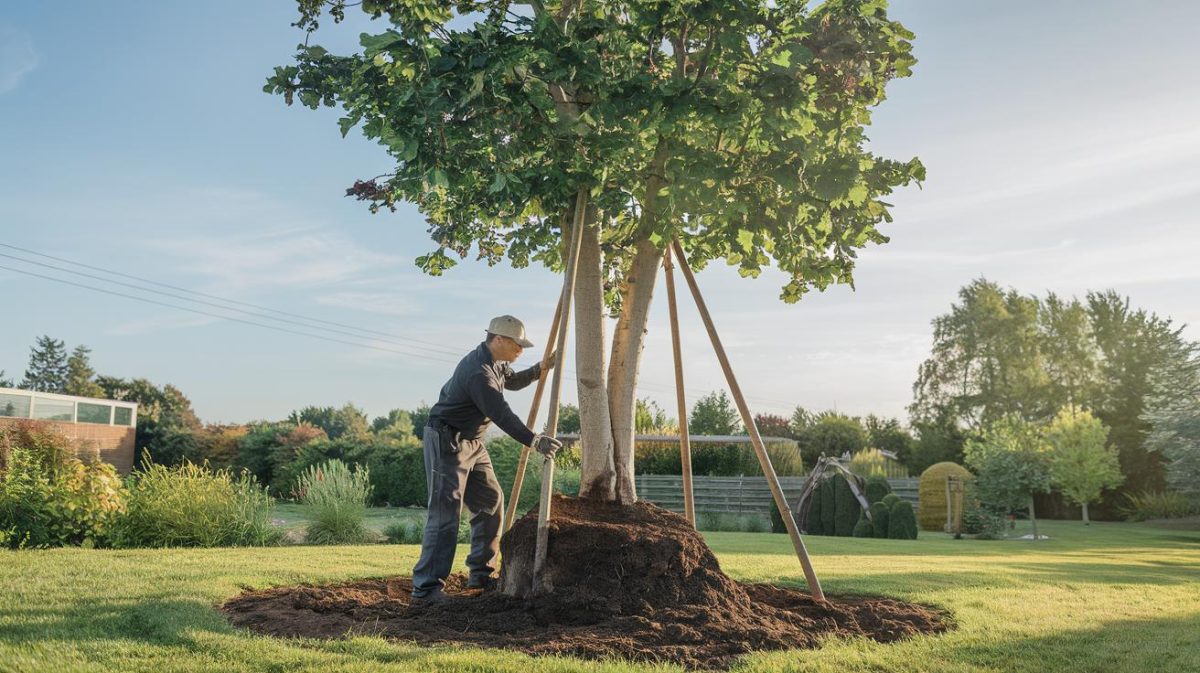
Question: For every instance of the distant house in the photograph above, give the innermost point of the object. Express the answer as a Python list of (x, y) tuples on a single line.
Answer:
[(97, 427)]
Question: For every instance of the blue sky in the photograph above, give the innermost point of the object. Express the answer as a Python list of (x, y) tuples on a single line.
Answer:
[(1060, 140)]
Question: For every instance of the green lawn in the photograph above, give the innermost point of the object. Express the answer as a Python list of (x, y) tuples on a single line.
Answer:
[(1112, 597)]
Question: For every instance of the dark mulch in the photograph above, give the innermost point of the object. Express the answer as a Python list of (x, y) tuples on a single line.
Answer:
[(630, 582)]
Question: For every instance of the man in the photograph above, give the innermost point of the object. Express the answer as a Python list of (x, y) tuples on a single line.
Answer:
[(458, 469)]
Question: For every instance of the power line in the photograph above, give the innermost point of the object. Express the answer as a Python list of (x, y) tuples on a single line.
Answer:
[(440, 350), (217, 315), (423, 345), (209, 296)]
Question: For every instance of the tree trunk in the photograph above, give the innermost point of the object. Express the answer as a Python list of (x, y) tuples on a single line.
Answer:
[(598, 476), (628, 340), (1086, 521), (1033, 517)]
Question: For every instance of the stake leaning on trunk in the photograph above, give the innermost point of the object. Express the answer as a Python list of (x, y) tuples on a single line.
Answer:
[(568, 292), (814, 585), (685, 440), (523, 461)]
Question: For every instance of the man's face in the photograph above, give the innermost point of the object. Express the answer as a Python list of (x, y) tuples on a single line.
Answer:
[(506, 349)]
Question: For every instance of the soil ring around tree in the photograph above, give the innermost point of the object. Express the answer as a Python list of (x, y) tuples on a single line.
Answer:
[(634, 583)]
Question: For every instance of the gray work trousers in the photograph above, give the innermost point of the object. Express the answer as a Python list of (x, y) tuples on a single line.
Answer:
[(455, 479)]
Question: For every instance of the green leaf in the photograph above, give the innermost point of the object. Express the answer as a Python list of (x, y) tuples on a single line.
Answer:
[(373, 44)]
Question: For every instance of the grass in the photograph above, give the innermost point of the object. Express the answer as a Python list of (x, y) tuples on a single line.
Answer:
[(1109, 597)]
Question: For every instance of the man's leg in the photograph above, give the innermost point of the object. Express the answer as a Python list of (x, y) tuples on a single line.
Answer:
[(485, 500), (446, 479)]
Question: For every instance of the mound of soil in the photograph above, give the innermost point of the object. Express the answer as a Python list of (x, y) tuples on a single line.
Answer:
[(631, 582)]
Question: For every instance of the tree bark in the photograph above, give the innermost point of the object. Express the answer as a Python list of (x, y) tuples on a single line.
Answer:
[(628, 341), (598, 474), (1033, 518), (1086, 522)]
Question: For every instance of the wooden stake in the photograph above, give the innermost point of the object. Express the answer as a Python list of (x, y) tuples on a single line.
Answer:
[(760, 449), (685, 440), (568, 294), (523, 461)]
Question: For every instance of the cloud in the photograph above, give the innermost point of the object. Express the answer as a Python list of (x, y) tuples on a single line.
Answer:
[(17, 58)]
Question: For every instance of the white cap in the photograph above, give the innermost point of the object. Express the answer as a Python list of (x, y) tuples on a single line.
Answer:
[(508, 326)]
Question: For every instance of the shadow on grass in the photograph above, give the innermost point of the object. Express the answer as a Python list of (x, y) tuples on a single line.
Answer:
[(1167, 644), (158, 620)]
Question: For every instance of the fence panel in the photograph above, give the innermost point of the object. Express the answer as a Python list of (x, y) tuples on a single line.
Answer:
[(735, 494)]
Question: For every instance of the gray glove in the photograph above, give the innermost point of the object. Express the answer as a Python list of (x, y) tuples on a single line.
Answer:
[(545, 445)]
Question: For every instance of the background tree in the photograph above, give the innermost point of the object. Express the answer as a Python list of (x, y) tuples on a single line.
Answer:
[(568, 418), (772, 425), (938, 440), (737, 127), (80, 374), (1080, 463), (47, 370), (396, 426), (714, 414), (420, 418), (888, 434), (5, 382), (985, 363), (1174, 414), (1011, 461), (167, 426), (831, 434), (1070, 352), (800, 420), (347, 422), (651, 419)]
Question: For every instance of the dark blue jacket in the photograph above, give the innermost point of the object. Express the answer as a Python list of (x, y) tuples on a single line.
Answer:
[(474, 397)]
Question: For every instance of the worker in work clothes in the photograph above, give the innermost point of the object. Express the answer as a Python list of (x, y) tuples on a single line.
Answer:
[(458, 469)]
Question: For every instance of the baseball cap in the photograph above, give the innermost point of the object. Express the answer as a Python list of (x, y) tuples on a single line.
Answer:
[(508, 326)]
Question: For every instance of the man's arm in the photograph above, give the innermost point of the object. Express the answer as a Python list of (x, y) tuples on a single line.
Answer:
[(485, 392), (523, 378)]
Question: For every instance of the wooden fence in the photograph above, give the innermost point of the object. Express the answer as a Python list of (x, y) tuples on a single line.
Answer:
[(736, 494)]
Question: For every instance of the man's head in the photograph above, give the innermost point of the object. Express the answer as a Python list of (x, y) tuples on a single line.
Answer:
[(506, 338)]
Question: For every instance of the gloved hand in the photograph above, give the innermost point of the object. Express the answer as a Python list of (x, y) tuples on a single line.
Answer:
[(545, 445), (549, 361)]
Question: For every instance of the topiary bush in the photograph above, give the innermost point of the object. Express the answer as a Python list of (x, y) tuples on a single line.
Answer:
[(812, 523), (902, 521), (335, 499), (931, 493), (877, 488), (890, 500), (190, 506), (864, 527), (828, 494), (879, 516), (847, 508)]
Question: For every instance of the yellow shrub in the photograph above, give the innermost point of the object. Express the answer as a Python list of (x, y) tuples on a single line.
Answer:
[(931, 491)]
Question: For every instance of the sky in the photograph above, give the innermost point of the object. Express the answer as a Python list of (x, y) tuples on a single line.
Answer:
[(1060, 138)]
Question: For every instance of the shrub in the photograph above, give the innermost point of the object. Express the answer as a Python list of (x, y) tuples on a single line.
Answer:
[(902, 521), (405, 531), (931, 493), (847, 508), (812, 524), (662, 457), (1158, 505), (398, 475), (190, 506), (828, 493), (879, 516), (50, 498), (731, 522), (983, 523), (890, 500), (864, 528), (872, 462), (877, 488), (335, 499)]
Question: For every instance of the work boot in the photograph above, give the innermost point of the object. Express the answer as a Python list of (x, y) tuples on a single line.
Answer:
[(485, 583), (430, 598)]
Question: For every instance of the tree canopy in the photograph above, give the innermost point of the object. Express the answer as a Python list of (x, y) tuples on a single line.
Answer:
[(737, 126), (1081, 465)]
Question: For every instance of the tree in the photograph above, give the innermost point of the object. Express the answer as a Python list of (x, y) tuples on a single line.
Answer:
[(80, 374), (771, 425), (47, 371), (735, 127), (939, 440), (396, 426), (420, 418), (1080, 463), (1072, 357), (986, 361), (1011, 460), (347, 422), (714, 414), (1174, 416), (5, 382), (888, 434), (167, 426), (650, 418), (831, 434), (801, 420)]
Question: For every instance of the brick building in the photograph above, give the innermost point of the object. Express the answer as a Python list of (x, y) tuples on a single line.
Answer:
[(97, 427)]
